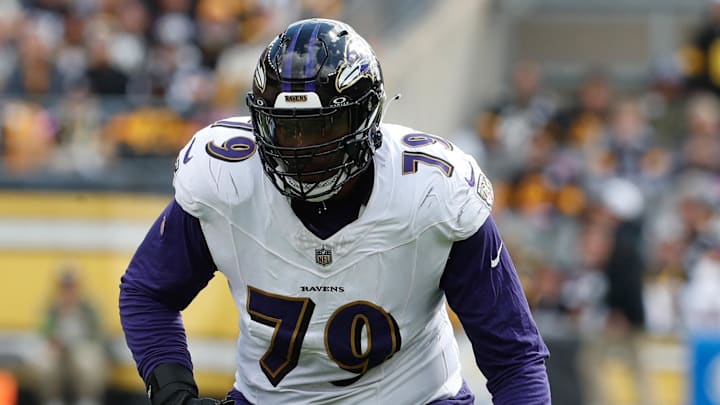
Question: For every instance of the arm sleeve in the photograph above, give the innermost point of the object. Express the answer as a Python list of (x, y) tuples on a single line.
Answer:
[(169, 268), (483, 289)]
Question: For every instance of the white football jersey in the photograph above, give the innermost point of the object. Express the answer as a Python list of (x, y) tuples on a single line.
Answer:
[(357, 317)]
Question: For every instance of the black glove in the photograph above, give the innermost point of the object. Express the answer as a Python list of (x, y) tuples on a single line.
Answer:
[(173, 384)]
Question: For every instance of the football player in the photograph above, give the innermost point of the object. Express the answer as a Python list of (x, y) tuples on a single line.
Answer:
[(342, 239)]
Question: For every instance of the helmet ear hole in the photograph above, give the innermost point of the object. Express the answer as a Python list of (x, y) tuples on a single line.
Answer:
[(375, 137)]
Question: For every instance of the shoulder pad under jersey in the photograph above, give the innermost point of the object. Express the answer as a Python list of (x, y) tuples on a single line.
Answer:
[(218, 167), (444, 185)]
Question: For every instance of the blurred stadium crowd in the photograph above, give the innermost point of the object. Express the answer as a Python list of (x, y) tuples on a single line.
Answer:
[(609, 199), (87, 82)]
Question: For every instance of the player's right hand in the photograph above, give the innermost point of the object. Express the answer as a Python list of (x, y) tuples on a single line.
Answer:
[(173, 384)]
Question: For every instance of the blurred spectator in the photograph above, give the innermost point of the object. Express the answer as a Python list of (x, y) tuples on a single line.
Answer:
[(664, 99), (586, 285), (618, 212), (10, 12), (701, 145), (630, 138), (630, 150), (682, 232), (104, 78), (72, 60), (700, 57), (666, 275), (508, 126), (173, 22), (622, 208), (532, 191), (80, 149), (547, 187), (699, 200), (28, 139), (76, 363), (581, 125), (217, 22), (700, 298), (128, 47), (35, 73)]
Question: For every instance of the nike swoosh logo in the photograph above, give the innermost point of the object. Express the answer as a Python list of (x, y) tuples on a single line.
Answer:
[(494, 262), (471, 181), (187, 156)]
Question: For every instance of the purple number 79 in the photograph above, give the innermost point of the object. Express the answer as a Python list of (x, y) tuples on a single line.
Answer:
[(411, 160)]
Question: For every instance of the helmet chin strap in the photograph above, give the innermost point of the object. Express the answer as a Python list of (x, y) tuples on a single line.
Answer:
[(324, 197), (323, 187)]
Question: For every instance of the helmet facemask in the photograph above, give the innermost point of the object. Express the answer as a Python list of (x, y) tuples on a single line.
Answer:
[(310, 154)]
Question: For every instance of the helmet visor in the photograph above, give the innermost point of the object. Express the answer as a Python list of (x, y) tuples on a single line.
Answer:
[(307, 148), (300, 132), (311, 153)]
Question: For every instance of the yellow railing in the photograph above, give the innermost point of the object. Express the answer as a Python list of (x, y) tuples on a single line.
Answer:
[(28, 272)]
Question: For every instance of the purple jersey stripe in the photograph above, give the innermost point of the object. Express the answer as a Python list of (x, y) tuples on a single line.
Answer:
[(482, 287), (311, 59), (289, 61)]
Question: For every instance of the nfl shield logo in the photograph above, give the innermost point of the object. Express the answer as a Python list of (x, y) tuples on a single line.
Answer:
[(323, 256)]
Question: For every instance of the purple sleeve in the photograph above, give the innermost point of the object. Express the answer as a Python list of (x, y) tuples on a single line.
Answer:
[(170, 267), (483, 289)]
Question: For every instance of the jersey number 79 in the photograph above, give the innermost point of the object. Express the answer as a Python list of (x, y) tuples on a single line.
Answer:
[(290, 316)]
